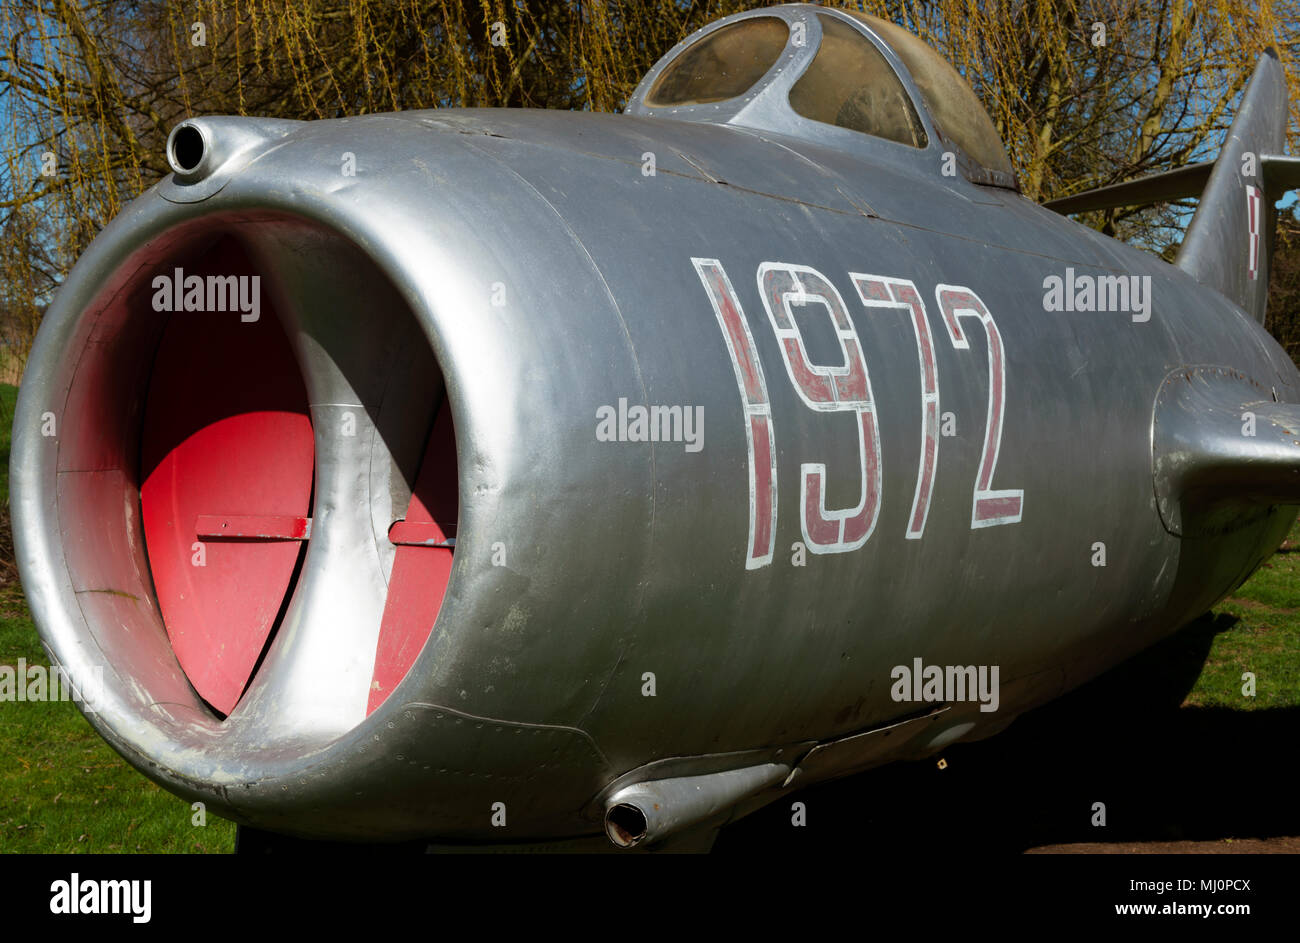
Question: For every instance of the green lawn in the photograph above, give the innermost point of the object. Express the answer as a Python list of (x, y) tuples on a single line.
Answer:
[(1265, 641), (62, 788)]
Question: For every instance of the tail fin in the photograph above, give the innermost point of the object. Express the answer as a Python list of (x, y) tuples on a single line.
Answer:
[(1229, 243)]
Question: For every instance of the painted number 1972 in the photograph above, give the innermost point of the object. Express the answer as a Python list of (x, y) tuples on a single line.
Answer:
[(847, 388)]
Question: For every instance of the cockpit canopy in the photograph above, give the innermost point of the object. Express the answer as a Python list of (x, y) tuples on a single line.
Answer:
[(829, 75)]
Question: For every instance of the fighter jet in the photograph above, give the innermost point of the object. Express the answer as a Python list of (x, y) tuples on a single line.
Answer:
[(583, 480)]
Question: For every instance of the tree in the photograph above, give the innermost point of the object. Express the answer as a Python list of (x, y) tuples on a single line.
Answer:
[(1084, 94)]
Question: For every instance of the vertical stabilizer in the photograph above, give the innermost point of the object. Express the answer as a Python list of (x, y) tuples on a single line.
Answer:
[(1230, 241)]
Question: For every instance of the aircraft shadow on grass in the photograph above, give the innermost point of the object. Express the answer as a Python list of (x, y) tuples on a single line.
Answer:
[(1164, 773)]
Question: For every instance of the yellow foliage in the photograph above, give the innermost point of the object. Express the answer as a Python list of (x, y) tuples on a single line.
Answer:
[(90, 88)]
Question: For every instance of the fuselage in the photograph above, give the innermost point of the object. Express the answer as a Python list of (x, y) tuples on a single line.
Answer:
[(618, 601)]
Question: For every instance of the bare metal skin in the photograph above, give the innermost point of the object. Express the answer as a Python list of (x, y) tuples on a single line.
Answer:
[(582, 566)]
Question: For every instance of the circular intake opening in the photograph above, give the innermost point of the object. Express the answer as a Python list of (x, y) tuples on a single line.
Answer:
[(185, 150), (625, 825), (257, 487)]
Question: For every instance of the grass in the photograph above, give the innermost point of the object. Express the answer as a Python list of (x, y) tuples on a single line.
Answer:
[(1265, 640), (62, 789)]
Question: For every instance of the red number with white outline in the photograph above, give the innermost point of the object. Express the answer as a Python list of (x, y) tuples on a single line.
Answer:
[(990, 507), (845, 388), (878, 291), (1252, 222), (759, 434)]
